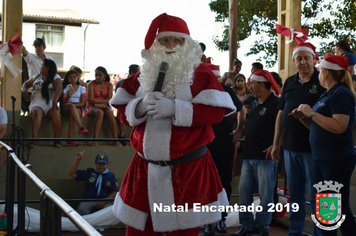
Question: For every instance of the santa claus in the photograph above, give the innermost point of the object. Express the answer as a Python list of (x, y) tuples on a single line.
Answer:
[(172, 175)]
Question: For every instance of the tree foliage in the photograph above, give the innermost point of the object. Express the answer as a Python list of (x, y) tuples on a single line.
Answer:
[(328, 21)]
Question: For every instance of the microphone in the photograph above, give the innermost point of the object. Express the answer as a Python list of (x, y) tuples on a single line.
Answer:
[(162, 73), (13, 98)]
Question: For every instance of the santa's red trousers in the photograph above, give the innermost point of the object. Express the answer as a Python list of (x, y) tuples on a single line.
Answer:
[(130, 231)]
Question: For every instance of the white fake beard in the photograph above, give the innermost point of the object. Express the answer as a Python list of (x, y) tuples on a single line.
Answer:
[(182, 64)]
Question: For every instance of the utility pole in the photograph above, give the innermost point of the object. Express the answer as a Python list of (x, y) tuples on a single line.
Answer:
[(232, 31)]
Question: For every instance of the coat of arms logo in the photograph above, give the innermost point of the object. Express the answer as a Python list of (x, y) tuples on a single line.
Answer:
[(263, 111), (328, 215), (313, 89)]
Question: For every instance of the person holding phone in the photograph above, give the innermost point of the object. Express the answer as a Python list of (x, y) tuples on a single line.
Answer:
[(47, 90), (73, 101)]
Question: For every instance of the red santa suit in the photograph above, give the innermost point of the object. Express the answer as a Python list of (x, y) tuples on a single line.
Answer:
[(197, 107), (198, 103)]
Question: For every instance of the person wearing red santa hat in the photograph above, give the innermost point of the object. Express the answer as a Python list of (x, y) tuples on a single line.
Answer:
[(302, 87), (171, 175), (330, 122), (258, 171)]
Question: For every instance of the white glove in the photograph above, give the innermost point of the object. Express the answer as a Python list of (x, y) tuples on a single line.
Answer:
[(163, 107), (142, 106)]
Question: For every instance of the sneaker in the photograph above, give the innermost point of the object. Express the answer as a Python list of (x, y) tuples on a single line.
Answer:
[(32, 144), (57, 144), (122, 136), (83, 130), (72, 144), (94, 144)]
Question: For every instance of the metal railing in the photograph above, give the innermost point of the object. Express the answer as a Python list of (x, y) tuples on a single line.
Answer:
[(51, 205)]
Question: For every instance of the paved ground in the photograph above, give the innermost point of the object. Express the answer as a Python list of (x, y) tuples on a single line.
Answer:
[(275, 231)]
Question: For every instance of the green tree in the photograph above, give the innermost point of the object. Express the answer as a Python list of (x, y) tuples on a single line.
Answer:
[(328, 21)]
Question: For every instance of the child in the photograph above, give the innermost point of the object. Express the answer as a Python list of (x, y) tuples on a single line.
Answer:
[(73, 101), (99, 182)]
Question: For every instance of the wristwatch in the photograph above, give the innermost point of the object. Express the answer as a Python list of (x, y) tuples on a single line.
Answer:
[(312, 114)]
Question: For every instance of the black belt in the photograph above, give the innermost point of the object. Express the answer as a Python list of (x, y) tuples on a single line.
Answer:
[(190, 156)]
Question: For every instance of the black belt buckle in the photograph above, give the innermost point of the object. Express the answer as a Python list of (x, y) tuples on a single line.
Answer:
[(163, 163)]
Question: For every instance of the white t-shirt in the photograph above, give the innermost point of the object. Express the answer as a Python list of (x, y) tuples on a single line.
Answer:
[(34, 63), (75, 98)]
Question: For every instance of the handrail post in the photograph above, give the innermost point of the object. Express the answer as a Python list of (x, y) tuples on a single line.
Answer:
[(21, 185), (50, 219), (10, 192), (44, 216), (56, 220)]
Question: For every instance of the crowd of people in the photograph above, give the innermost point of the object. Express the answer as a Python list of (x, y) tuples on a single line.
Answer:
[(292, 121), (48, 95), (307, 121)]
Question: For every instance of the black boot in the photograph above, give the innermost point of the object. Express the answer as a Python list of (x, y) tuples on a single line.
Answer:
[(221, 226), (209, 230)]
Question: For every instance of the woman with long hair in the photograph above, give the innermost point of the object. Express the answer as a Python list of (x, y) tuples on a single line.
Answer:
[(342, 48), (73, 102), (330, 122), (100, 92), (47, 90), (229, 77), (240, 87)]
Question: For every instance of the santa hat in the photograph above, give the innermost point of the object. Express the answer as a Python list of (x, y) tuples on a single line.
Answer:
[(306, 47), (334, 62), (214, 68), (165, 25), (265, 76)]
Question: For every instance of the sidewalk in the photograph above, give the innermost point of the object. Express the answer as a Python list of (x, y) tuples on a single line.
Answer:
[(275, 231)]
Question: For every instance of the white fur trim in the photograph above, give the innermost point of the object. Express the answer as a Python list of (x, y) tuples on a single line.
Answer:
[(160, 190), (129, 215), (184, 113), (172, 221), (331, 66), (303, 48), (216, 72), (215, 98), (156, 142), (121, 97), (130, 112), (259, 78), (171, 33)]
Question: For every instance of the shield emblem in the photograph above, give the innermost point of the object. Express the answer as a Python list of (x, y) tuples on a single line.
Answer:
[(313, 89), (263, 111), (328, 208)]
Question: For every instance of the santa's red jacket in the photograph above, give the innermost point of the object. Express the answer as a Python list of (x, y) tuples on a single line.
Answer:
[(147, 186)]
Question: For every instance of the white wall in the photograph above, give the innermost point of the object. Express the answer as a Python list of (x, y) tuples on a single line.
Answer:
[(72, 47), (28, 36)]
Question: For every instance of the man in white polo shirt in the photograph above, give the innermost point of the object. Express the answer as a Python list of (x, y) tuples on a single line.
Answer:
[(34, 60)]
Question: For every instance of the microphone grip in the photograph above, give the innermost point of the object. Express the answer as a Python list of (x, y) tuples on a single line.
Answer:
[(160, 79), (159, 83)]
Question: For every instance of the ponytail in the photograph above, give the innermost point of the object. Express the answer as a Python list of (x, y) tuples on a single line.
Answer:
[(347, 81), (343, 77)]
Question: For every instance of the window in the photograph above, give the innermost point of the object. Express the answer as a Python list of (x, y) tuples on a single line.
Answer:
[(53, 36)]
